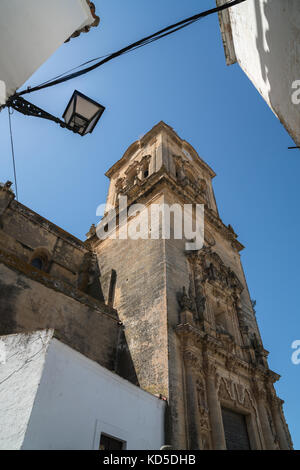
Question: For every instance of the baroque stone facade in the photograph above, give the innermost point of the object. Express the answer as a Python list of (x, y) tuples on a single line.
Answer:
[(188, 317), (180, 324)]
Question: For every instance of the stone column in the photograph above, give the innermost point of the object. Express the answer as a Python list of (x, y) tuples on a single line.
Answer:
[(279, 425), (261, 399), (190, 361), (214, 407)]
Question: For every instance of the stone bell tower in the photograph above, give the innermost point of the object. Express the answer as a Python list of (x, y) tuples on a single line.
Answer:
[(189, 321)]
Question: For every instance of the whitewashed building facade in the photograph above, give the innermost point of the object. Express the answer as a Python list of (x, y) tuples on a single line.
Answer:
[(54, 398), (31, 31), (263, 36)]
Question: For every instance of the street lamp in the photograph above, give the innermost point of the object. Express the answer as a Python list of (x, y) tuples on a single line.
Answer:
[(82, 113)]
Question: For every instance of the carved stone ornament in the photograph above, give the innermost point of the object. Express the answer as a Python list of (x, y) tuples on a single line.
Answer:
[(191, 358), (209, 239), (185, 301), (6, 186), (259, 390), (229, 390), (258, 349), (231, 363), (215, 271), (209, 368), (92, 232)]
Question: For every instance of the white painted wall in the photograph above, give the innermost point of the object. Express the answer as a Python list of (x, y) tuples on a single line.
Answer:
[(31, 31), (22, 359), (78, 399), (266, 44)]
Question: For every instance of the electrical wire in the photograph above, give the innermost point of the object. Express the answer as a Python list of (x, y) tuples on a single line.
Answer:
[(10, 112), (74, 68), (136, 45)]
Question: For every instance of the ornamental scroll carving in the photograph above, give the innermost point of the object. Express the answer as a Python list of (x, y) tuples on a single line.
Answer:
[(210, 274), (238, 394), (185, 175), (215, 271), (210, 267)]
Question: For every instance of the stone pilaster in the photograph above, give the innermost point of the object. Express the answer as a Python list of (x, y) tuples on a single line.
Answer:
[(190, 362), (261, 399), (279, 425), (215, 414)]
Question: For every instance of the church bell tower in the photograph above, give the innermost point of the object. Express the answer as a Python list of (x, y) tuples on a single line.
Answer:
[(189, 321)]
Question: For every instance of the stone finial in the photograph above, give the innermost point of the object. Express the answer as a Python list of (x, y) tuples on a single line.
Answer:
[(6, 196), (92, 232), (6, 186)]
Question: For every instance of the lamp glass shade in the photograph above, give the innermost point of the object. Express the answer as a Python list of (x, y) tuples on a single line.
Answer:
[(82, 113)]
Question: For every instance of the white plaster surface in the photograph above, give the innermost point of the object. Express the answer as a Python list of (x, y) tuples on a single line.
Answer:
[(78, 400), (21, 366), (266, 37), (31, 31)]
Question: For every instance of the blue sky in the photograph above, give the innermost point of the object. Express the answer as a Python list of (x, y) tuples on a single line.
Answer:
[(184, 81)]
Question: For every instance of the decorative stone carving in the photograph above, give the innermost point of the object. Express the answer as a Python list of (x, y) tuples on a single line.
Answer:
[(86, 28), (238, 394), (259, 391), (253, 303), (92, 232), (272, 427), (209, 367), (5, 198), (221, 329), (185, 301), (227, 390), (7, 186), (202, 185), (204, 442), (180, 173), (242, 322), (231, 363), (214, 271), (230, 228), (258, 349), (209, 239), (200, 299), (201, 395), (120, 185), (191, 358)]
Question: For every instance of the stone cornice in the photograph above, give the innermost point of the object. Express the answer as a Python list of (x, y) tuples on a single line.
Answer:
[(156, 130), (214, 346), (13, 262), (144, 188), (215, 220), (47, 225)]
